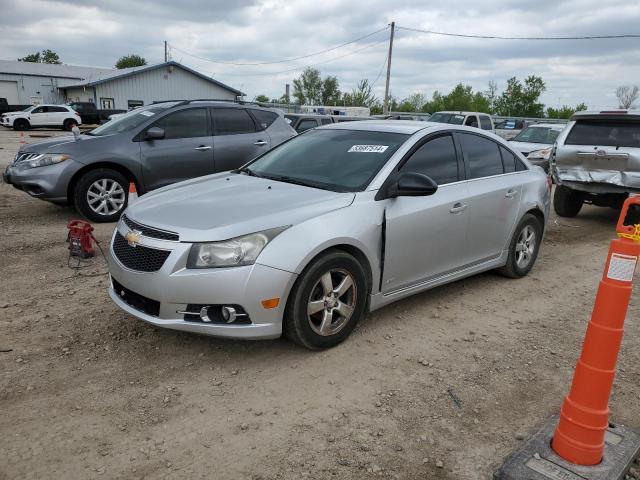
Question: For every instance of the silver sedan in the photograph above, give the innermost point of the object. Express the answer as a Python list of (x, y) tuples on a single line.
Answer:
[(341, 220)]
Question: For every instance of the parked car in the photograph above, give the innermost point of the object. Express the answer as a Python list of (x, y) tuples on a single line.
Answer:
[(596, 160), (301, 122), (4, 105), (52, 116), (344, 218), (153, 147), (536, 142), (508, 128), (470, 119)]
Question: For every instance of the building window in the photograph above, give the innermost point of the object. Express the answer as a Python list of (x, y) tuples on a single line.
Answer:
[(131, 104), (106, 103)]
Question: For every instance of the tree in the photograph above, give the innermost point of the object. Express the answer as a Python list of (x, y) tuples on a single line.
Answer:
[(413, 103), (491, 95), (46, 56), (521, 100), (262, 99), (330, 91), (129, 61), (307, 89), (361, 96), (461, 98), (565, 111), (627, 95)]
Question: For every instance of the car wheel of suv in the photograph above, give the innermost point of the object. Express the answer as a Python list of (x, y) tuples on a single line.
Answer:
[(69, 124), (327, 301), (524, 248), (567, 202), (101, 195), (21, 124)]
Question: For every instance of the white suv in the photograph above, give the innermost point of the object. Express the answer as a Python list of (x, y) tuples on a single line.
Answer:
[(57, 116)]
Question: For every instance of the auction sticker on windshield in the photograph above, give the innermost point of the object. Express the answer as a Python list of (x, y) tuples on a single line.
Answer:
[(147, 113), (368, 148)]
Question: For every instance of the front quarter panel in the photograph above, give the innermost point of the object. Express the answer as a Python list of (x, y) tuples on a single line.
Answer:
[(358, 225)]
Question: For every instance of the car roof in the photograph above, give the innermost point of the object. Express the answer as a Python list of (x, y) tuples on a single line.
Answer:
[(458, 112), (608, 114), (391, 126), (554, 126), (314, 115)]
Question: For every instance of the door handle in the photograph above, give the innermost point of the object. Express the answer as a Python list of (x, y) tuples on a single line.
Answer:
[(458, 208), (203, 147), (260, 143), (511, 193)]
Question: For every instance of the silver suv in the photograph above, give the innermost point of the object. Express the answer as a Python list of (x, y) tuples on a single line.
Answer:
[(596, 160), (151, 146)]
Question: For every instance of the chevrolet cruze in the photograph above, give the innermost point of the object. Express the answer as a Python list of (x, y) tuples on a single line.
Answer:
[(341, 220)]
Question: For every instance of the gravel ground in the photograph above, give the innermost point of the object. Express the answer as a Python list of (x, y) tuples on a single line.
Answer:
[(440, 386)]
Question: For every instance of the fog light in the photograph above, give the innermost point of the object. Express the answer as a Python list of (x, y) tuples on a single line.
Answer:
[(204, 314), (229, 314)]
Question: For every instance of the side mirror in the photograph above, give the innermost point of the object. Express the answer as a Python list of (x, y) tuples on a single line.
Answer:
[(414, 185), (154, 133)]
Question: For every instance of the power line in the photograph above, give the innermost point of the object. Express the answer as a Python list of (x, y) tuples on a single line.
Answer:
[(284, 60), (497, 37), (384, 64)]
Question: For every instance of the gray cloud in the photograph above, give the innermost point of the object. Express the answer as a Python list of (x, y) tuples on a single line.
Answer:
[(99, 32)]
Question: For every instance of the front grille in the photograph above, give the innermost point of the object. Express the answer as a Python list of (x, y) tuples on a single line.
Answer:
[(150, 231), (135, 300), (23, 157), (139, 258)]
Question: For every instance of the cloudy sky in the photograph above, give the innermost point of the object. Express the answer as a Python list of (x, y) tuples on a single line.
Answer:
[(97, 33)]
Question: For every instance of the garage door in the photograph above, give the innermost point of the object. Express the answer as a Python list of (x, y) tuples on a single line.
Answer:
[(9, 90)]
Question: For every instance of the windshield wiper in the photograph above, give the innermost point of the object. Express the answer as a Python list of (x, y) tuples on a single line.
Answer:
[(248, 171), (295, 181)]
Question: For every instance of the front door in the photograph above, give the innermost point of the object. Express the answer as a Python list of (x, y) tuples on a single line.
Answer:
[(236, 140), (186, 151), (426, 236), (494, 196), (39, 116)]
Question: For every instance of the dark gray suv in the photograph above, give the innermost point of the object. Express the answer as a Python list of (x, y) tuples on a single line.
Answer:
[(151, 146)]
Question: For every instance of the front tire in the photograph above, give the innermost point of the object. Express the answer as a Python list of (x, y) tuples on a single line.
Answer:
[(101, 195), (567, 202), (21, 124), (524, 247), (326, 302)]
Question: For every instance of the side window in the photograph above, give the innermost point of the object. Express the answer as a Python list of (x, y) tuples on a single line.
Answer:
[(306, 124), (264, 118), (184, 124), (231, 121), (436, 159), (472, 121), (482, 155), (508, 160), (39, 110), (485, 122), (58, 109), (325, 121)]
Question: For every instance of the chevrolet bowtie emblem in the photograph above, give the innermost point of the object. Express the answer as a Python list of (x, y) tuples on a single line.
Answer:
[(133, 237)]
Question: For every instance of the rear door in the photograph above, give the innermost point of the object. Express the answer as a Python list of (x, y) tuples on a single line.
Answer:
[(236, 138), (426, 236), (57, 115), (494, 194), (186, 151)]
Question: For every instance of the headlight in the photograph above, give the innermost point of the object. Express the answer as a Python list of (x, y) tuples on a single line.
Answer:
[(46, 159), (231, 253), (543, 154)]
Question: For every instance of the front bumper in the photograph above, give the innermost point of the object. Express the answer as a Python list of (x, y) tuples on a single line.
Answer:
[(175, 287), (47, 183)]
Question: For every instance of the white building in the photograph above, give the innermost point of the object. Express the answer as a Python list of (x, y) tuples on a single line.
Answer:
[(25, 83)]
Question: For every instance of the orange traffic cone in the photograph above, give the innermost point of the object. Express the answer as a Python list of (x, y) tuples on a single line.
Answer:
[(584, 417), (22, 142), (133, 193)]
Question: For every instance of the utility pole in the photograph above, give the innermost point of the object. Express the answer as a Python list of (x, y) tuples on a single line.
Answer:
[(386, 88), (166, 56)]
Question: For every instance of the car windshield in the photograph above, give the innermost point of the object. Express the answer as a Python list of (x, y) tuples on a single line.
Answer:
[(131, 119), (453, 118), (332, 159), (544, 135), (28, 109)]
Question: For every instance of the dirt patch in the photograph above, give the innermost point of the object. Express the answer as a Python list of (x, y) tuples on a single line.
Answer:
[(441, 386)]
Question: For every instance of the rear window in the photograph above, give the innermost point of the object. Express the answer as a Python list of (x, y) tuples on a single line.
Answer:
[(264, 118), (482, 155), (453, 118), (605, 133), (231, 121)]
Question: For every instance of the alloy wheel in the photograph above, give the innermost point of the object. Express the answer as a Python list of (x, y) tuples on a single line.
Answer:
[(525, 246), (106, 196), (332, 302)]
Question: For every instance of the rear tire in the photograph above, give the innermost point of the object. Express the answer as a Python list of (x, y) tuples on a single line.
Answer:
[(69, 124), (101, 195), (524, 248), (326, 302), (21, 124), (567, 202)]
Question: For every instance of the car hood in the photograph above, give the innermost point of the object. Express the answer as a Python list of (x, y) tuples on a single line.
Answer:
[(227, 205), (526, 147), (63, 144)]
